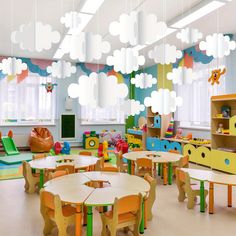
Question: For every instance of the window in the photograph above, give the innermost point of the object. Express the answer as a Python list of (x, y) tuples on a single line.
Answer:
[(195, 110), (110, 115), (26, 102)]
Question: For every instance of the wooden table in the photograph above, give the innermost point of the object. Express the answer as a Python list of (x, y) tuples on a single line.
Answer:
[(72, 189), (164, 158), (212, 178), (51, 162)]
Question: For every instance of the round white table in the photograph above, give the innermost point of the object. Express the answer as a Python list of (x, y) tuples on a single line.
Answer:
[(51, 162), (163, 158), (72, 189)]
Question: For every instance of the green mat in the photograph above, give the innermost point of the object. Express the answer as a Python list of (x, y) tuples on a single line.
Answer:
[(16, 159)]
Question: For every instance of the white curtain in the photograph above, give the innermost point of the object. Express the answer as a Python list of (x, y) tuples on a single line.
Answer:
[(109, 115), (195, 110), (27, 101)]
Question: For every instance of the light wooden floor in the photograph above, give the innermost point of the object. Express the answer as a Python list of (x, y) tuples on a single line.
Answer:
[(19, 214)]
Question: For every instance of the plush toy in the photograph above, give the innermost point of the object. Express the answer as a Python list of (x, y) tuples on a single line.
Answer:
[(215, 76), (49, 86), (179, 133)]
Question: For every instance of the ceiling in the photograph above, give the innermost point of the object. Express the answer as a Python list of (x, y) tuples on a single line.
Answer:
[(14, 13)]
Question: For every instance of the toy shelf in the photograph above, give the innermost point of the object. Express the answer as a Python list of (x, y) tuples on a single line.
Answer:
[(221, 118), (229, 135)]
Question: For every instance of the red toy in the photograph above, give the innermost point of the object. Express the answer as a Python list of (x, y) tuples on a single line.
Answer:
[(100, 150), (57, 148), (122, 146)]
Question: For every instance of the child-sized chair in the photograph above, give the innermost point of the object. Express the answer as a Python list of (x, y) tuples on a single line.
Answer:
[(126, 212), (69, 168), (53, 175), (31, 180), (186, 189), (110, 169), (150, 199), (144, 165), (53, 210), (85, 153), (39, 156), (122, 166), (184, 162)]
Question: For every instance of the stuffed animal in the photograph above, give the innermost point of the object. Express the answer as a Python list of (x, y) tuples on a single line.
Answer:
[(215, 76)]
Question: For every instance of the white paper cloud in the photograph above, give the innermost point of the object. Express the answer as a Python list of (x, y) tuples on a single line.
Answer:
[(163, 101), (132, 107), (182, 75), (143, 81), (61, 69), (138, 28), (165, 54), (85, 46), (189, 35), (35, 36), (71, 20), (217, 45), (125, 60), (12, 66), (98, 90)]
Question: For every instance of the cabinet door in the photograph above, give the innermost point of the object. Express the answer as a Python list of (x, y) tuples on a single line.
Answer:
[(190, 150), (153, 144), (165, 146), (175, 146), (203, 156)]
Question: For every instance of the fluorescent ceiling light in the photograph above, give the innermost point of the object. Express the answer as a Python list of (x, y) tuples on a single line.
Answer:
[(192, 16), (91, 6)]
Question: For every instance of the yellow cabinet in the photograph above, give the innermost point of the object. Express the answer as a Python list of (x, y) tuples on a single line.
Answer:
[(190, 150), (232, 125), (224, 161), (203, 156)]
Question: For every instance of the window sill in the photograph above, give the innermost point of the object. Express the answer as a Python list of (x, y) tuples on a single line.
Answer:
[(195, 127), (102, 124), (25, 125)]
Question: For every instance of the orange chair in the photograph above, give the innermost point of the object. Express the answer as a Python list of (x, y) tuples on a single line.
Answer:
[(56, 174), (144, 165), (122, 166), (184, 162), (85, 153), (186, 189), (150, 199), (39, 156), (31, 180), (126, 212), (110, 169), (53, 210), (69, 168)]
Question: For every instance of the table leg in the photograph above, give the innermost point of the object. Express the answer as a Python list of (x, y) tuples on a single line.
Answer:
[(78, 221), (145, 214), (84, 215), (170, 174), (164, 174), (129, 167), (141, 227), (132, 168), (89, 221), (211, 198), (159, 169), (202, 197), (229, 195), (41, 179)]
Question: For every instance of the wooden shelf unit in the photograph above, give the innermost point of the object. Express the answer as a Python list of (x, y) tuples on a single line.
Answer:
[(157, 132), (219, 140)]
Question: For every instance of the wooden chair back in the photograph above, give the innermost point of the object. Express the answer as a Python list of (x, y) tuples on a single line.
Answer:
[(56, 174), (110, 169), (69, 168), (85, 153), (39, 156), (137, 149), (47, 200), (144, 162), (184, 162), (98, 165)]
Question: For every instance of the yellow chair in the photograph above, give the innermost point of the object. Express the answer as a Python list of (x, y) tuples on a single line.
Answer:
[(187, 190), (53, 211), (56, 174), (85, 153), (31, 180), (110, 169), (122, 166), (150, 199), (69, 168), (144, 165), (126, 212)]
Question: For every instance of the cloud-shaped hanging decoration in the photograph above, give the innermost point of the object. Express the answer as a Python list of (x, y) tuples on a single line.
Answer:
[(71, 20), (35, 37), (85, 46), (138, 28), (125, 60), (98, 90), (132, 107), (182, 75), (143, 80), (189, 35), (61, 69), (12, 66), (165, 54), (217, 45), (163, 101)]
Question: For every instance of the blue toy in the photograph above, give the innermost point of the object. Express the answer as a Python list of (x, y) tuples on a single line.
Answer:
[(66, 148)]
